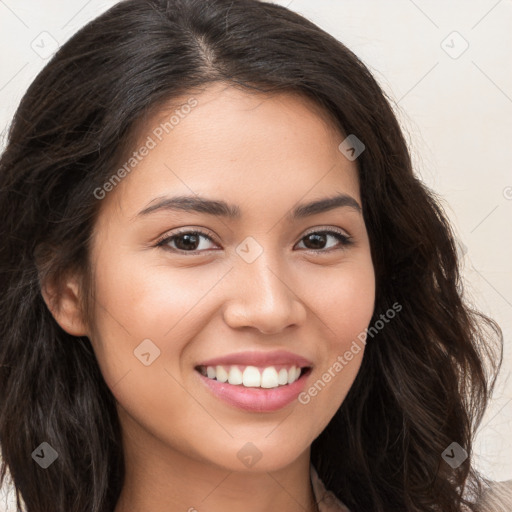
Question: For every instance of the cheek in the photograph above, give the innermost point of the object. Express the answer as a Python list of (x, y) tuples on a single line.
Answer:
[(151, 299), (349, 314), (136, 301), (344, 304), (344, 299), (146, 309)]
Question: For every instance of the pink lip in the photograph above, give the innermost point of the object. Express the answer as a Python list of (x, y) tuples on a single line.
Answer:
[(260, 359), (256, 399)]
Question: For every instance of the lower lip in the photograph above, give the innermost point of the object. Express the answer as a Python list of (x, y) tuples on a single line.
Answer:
[(257, 399)]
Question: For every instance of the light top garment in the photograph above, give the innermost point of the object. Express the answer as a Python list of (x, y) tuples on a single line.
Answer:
[(496, 498), (326, 500)]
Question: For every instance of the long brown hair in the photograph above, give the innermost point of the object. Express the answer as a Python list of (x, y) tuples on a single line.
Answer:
[(425, 379)]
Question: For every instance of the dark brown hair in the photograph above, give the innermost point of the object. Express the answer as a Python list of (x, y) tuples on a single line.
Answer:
[(426, 377)]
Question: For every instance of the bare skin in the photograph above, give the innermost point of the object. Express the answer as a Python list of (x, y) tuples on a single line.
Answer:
[(266, 155)]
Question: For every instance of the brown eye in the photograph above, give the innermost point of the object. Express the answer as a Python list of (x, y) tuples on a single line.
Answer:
[(317, 240), (186, 241)]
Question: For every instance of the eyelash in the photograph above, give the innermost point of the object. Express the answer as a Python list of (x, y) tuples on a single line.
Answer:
[(165, 239)]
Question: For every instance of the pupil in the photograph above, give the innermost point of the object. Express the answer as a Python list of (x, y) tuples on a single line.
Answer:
[(189, 243), (317, 238)]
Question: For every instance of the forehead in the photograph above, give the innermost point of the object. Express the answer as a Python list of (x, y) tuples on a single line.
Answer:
[(228, 142)]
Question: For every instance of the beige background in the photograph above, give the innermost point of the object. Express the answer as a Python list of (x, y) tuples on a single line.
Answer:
[(455, 106)]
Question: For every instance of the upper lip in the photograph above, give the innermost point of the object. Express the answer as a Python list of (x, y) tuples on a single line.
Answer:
[(253, 358)]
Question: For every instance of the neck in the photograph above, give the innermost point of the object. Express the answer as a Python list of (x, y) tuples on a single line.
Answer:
[(217, 490)]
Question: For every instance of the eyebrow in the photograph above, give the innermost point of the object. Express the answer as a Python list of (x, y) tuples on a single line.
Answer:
[(219, 208)]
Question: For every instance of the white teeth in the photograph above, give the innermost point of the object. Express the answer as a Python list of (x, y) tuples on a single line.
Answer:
[(253, 377), (220, 374), (282, 377), (292, 374), (235, 376), (269, 378)]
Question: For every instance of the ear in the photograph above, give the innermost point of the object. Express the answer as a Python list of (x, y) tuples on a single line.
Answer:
[(63, 301)]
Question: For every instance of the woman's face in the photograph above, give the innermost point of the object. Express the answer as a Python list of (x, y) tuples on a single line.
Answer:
[(255, 289)]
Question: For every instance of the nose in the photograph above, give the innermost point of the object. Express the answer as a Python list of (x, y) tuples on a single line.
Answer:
[(263, 298)]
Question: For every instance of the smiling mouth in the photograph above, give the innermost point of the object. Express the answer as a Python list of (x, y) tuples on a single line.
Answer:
[(254, 377)]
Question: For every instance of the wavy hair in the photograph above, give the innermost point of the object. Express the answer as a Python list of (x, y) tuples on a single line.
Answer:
[(425, 379)]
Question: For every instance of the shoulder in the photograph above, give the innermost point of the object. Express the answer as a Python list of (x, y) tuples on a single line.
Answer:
[(496, 497)]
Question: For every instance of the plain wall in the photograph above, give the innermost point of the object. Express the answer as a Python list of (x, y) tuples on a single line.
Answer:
[(454, 103)]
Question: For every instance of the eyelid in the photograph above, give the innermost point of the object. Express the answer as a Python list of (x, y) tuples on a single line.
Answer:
[(326, 229)]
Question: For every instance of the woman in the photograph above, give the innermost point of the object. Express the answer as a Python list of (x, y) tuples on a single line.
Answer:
[(221, 278)]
